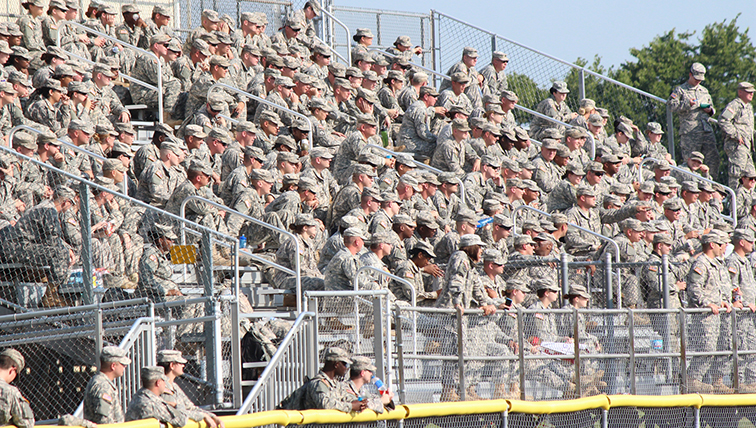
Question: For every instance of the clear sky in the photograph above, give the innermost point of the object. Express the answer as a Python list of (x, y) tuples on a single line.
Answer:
[(582, 28)]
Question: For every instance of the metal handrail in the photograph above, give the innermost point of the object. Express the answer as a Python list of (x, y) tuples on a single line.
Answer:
[(274, 361), (296, 271), (348, 33), (734, 200), (124, 185), (558, 122), (582, 229), (159, 87), (424, 166), (266, 102), (72, 309), (386, 274), (333, 50), (429, 70)]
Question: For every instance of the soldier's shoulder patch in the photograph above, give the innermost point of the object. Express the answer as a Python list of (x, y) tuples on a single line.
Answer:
[(152, 158), (732, 269), (653, 268), (539, 316), (673, 95), (153, 258), (122, 31), (30, 24), (542, 168), (698, 270), (159, 174), (72, 222), (409, 275), (107, 397), (387, 180), (248, 203), (383, 224)]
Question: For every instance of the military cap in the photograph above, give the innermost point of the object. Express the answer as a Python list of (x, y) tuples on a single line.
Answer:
[(670, 181), (362, 32), (673, 204), (261, 174), (367, 119), (223, 38), (247, 16), (113, 165), (394, 75), (697, 156), (210, 15), (284, 81), (410, 180), (502, 220), (125, 128), (356, 232), (123, 148), (491, 205), (129, 8), (521, 134), (388, 196), (21, 52), (494, 108), (662, 188), (151, 374), (544, 236), (560, 87), (510, 95), (575, 132), (723, 228), (4, 29), (460, 77), (174, 45), (109, 9), (80, 87), (360, 363), (448, 177), (466, 216), (381, 61), (492, 128), (94, 4), (38, 3), (426, 219), (510, 164), (349, 221), (7, 87), (105, 128), (337, 69), (363, 56), (577, 291), (114, 354), (612, 200), (53, 84), (102, 69), (610, 158), (533, 225), (380, 238), (632, 223), (746, 86), (372, 192), (501, 56), (286, 141), (460, 125), (161, 10), (698, 71), (548, 226), (342, 83), (16, 357), (587, 104), (164, 230), (714, 238), (621, 188), (80, 125), (575, 168), (530, 185), (584, 190), (170, 356), (170, 145), (470, 51), (253, 152), (406, 159), (517, 284), (336, 354), (320, 152), (5, 48), (367, 95), (424, 247), (202, 47), (270, 116), (287, 157), (663, 238), (361, 169), (493, 255), (199, 166), (319, 103), (647, 187), (306, 183), (24, 139), (404, 219), (625, 129), (690, 186), (545, 284), (15, 31), (403, 41), (454, 109), (304, 78), (429, 177), (47, 137), (744, 234), (224, 62), (524, 239), (469, 240), (490, 161), (428, 90), (704, 186), (596, 120), (748, 172), (654, 128)]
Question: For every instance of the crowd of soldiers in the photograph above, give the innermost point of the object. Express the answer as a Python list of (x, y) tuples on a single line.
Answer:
[(448, 235), (159, 397)]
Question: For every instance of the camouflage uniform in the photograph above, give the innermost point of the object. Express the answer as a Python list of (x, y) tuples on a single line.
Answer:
[(157, 183), (341, 270), (146, 70), (493, 82), (14, 408), (579, 242), (736, 123), (410, 272), (547, 174), (550, 108), (310, 276), (155, 271), (472, 90), (696, 133), (742, 277), (452, 156), (175, 395), (102, 405), (32, 38), (322, 392), (415, 133), (109, 106), (51, 116), (145, 404)]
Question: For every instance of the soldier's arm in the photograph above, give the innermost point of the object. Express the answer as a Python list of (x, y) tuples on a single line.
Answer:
[(726, 121), (326, 398), (697, 278), (21, 413)]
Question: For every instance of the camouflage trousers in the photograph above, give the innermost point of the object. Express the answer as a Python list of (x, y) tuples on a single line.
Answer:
[(709, 333), (747, 342), (148, 97), (704, 142), (739, 161)]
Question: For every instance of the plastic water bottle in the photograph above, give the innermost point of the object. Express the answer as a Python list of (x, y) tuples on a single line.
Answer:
[(382, 388), (242, 241), (484, 221)]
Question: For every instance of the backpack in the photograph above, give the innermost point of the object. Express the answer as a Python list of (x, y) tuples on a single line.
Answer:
[(295, 400)]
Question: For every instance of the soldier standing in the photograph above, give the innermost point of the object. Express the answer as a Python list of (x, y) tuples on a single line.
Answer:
[(173, 363), (736, 122), (102, 404), (147, 402)]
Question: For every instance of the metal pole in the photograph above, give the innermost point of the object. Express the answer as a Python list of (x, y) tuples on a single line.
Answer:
[(378, 28), (461, 354), (683, 355), (665, 281), (734, 336), (581, 84), (576, 342), (631, 339), (670, 131), (236, 355), (521, 351), (87, 269), (400, 355), (608, 290), (206, 277), (493, 45), (378, 338), (565, 273), (433, 40), (98, 337)]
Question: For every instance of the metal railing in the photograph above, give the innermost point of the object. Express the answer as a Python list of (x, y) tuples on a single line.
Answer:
[(333, 19), (158, 88), (607, 262), (266, 102), (558, 122), (291, 364), (423, 166), (333, 50), (733, 217), (421, 67), (296, 271)]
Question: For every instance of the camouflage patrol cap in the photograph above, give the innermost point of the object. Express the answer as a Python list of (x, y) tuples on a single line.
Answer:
[(304, 219), (290, 179), (367, 95), (575, 168), (320, 152), (631, 223), (494, 108), (150, 374), (195, 131), (202, 47), (690, 186), (559, 218), (744, 234), (304, 78), (663, 238), (338, 70), (125, 128), (610, 158), (102, 69), (577, 291), (673, 204), (247, 16), (54, 84), (21, 52), (532, 225), (221, 61), (107, 183), (380, 238), (39, 3), (460, 125), (270, 116), (170, 356), (563, 151), (122, 148), (403, 41), (494, 256), (424, 247), (560, 87), (107, 8), (706, 187), (575, 132), (199, 166), (469, 240), (454, 109), (171, 146), (287, 157), (161, 10), (362, 56), (584, 190), (545, 284), (662, 188), (80, 87), (210, 15), (286, 141), (105, 128), (262, 174), (553, 133), (425, 218), (517, 284), (448, 178), (595, 120), (470, 51), (355, 232), (367, 119), (654, 128), (16, 357), (15, 30), (5, 48), (698, 71), (410, 180), (7, 87), (510, 164), (466, 216), (174, 45), (113, 165), (319, 103), (510, 95), (129, 8), (47, 137), (671, 182), (404, 219), (491, 205), (362, 169), (521, 134), (336, 354), (460, 77), (349, 221), (306, 183), (4, 29), (524, 239), (621, 188), (501, 56), (587, 104), (530, 185), (503, 220), (490, 161), (746, 86), (428, 90), (714, 238), (114, 354)]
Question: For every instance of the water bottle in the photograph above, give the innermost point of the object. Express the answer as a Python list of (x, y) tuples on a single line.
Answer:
[(382, 388), (242, 242), (484, 221), (384, 137)]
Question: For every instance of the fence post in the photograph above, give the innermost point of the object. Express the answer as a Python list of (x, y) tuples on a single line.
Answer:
[(608, 281), (683, 355), (576, 342), (400, 354), (581, 79), (493, 44), (521, 351), (378, 339), (98, 334), (86, 243), (236, 355), (433, 41), (312, 337), (565, 274), (378, 29), (734, 336), (670, 131), (206, 277), (665, 280), (461, 354), (631, 340)]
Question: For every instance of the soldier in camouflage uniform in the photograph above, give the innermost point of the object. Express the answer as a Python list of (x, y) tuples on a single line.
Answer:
[(693, 105), (342, 268), (173, 364), (419, 256), (160, 179), (102, 405), (31, 27), (585, 215), (108, 106), (146, 70), (326, 390), (155, 270), (158, 23), (306, 229), (494, 78), (415, 133), (467, 67), (740, 269), (14, 408), (736, 123), (148, 403), (554, 107), (710, 286)]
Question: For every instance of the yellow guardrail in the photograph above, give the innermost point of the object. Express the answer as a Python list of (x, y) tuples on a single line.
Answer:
[(604, 402)]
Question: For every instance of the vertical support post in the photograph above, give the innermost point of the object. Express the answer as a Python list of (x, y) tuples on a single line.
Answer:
[(206, 278), (236, 356), (380, 363), (696, 417), (218, 352), (609, 291), (98, 334), (683, 355), (604, 418), (87, 269), (493, 44), (670, 131), (576, 342), (581, 84), (665, 280), (631, 340), (434, 42), (735, 365), (505, 419), (399, 355), (422, 41), (378, 28), (665, 333), (565, 274), (461, 354), (312, 338), (521, 351)]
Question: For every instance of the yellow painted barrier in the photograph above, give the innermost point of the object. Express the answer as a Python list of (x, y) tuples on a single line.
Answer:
[(730, 400), (460, 408), (549, 407), (687, 400), (337, 417)]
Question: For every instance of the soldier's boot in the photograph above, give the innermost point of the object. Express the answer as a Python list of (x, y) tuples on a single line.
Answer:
[(720, 388), (169, 120), (399, 148), (472, 395), (432, 347), (219, 260), (640, 319), (500, 392), (695, 385), (449, 393)]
